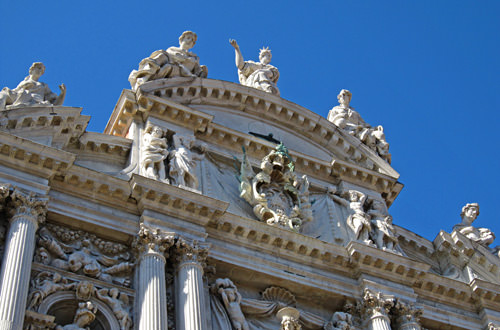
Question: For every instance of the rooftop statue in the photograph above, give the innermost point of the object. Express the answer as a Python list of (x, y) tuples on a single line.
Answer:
[(173, 62), (260, 75), (31, 92), (347, 119), (469, 213)]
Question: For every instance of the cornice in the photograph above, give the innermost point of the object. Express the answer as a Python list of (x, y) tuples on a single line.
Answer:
[(487, 292)]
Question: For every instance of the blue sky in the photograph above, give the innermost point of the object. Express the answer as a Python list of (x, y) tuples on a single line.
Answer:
[(428, 71)]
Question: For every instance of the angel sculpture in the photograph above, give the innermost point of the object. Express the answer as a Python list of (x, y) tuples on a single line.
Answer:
[(118, 303)]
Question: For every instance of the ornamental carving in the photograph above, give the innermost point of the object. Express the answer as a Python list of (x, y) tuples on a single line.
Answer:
[(278, 196), (407, 314), (228, 294), (289, 318), (84, 315), (27, 204), (375, 304), (84, 253), (153, 240), (340, 321), (191, 251)]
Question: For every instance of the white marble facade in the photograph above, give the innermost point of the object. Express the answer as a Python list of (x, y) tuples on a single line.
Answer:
[(187, 214)]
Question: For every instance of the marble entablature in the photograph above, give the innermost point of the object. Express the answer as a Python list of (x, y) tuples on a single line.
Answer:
[(188, 200)]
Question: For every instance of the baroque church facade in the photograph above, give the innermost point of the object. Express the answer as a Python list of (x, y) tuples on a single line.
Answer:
[(212, 205)]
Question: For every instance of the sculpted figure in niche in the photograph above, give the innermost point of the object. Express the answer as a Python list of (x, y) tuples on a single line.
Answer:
[(154, 151), (44, 285), (30, 91), (85, 314), (358, 220), (183, 161), (118, 303), (347, 119), (231, 299), (260, 75), (384, 233), (483, 236), (173, 62)]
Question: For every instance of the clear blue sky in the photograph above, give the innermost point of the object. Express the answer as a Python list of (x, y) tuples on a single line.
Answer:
[(428, 71)]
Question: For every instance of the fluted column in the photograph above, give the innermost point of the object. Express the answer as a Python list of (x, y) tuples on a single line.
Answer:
[(407, 316), (376, 310), (152, 245), (190, 296), (27, 211)]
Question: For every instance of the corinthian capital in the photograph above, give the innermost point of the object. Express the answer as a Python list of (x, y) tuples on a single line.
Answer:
[(191, 251), (27, 204), (407, 313), (153, 240), (374, 304)]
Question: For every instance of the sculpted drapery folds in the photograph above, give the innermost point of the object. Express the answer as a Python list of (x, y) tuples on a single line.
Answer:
[(173, 62), (278, 196), (183, 161), (260, 75), (384, 233), (154, 151), (30, 91)]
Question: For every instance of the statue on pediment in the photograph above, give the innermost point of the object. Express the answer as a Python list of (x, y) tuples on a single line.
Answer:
[(278, 196), (173, 62), (483, 236), (154, 151), (260, 75), (350, 121), (31, 91)]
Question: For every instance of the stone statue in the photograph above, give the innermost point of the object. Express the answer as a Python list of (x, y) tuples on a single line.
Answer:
[(173, 62), (30, 91), (154, 151), (289, 318), (278, 196), (260, 75), (340, 321), (347, 119), (231, 299), (469, 213), (183, 161), (358, 220), (85, 314), (118, 303), (384, 233), (44, 284)]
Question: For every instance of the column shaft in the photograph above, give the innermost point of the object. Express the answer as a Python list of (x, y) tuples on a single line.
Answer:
[(190, 297), (410, 326), (379, 322), (152, 293), (16, 270)]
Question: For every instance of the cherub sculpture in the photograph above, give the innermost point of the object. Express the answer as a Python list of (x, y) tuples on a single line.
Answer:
[(469, 213), (261, 75), (118, 303), (31, 91), (173, 62), (154, 151)]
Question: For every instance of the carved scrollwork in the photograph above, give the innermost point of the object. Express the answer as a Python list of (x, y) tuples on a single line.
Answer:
[(375, 304), (407, 313), (191, 251), (278, 196), (153, 240), (84, 253), (279, 295), (27, 204)]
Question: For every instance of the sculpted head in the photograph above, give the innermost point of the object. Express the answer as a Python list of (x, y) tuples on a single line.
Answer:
[(37, 69), (265, 55), (469, 213), (344, 98), (187, 40)]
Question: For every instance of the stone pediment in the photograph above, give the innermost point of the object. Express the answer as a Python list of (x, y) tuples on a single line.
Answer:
[(200, 104)]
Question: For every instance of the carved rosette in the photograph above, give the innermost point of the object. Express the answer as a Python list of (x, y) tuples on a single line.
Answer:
[(191, 252), (153, 241), (27, 205), (407, 315), (375, 305)]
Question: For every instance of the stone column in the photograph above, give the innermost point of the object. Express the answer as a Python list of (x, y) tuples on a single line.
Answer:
[(152, 245), (4, 193), (190, 295), (407, 316), (27, 211), (375, 309)]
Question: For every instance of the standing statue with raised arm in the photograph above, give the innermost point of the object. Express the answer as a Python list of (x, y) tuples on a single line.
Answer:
[(173, 62), (30, 91), (261, 75)]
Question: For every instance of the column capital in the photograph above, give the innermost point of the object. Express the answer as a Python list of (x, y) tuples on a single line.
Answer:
[(407, 313), (28, 204), (5, 190), (153, 240), (191, 251), (376, 304)]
